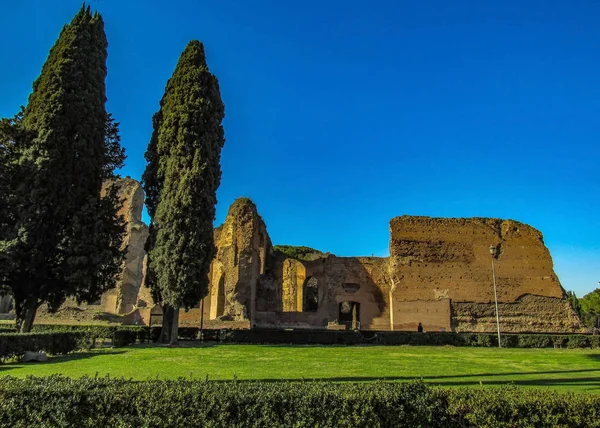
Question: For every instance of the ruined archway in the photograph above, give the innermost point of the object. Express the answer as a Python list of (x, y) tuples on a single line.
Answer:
[(221, 296), (349, 314), (311, 295)]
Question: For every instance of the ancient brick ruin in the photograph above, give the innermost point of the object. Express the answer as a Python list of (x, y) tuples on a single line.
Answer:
[(438, 274)]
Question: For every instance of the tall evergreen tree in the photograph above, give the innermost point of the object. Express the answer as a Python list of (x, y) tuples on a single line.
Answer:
[(574, 302), (12, 136), (66, 237), (181, 181)]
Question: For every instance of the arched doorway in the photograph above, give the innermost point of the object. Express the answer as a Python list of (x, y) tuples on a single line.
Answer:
[(311, 295), (349, 314), (221, 296)]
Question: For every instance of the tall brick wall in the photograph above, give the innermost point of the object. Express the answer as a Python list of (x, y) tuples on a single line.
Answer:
[(434, 258)]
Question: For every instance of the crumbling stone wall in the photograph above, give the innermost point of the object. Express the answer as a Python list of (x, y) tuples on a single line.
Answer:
[(433, 257), (124, 298), (361, 280), (529, 313), (129, 294), (242, 248), (438, 274), (444, 258)]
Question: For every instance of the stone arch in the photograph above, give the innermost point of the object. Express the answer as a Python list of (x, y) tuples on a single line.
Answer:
[(294, 275), (217, 293), (310, 294), (221, 296)]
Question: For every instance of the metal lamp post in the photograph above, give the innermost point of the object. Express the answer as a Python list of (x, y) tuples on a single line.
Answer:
[(493, 253)]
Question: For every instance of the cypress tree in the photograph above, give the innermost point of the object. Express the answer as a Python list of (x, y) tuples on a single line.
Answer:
[(181, 181), (66, 237)]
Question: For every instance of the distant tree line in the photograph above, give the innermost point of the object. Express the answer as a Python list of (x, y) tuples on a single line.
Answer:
[(587, 307), (60, 232)]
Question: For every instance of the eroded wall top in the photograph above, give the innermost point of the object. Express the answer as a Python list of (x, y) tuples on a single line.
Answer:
[(434, 258)]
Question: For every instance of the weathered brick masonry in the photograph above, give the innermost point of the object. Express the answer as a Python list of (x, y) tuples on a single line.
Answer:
[(438, 274)]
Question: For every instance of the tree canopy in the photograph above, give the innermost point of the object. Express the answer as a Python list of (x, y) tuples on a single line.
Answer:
[(63, 236), (181, 180), (590, 303)]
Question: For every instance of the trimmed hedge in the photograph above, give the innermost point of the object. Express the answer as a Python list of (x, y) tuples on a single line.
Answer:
[(126, 335), (13, 345), (328, 337), (89, 402)]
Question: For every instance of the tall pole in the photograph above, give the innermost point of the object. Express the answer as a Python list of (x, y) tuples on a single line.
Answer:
[(202, 320), (493, 253)]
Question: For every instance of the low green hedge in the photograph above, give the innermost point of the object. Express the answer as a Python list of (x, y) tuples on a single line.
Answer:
[(328, 337), (121, 335), (95, 331), (91, 402), (14, 345), (126, 335)]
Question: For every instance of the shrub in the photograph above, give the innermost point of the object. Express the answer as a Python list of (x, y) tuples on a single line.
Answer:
[(94, 332), (509, 340), (13, 345), (559, 341), (534, 341), (511, 406), (578, 341), (60, 401), (299, 253), (124, 337), (480, 339)]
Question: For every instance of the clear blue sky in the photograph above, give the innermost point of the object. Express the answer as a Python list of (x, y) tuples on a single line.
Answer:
[(343, 114)]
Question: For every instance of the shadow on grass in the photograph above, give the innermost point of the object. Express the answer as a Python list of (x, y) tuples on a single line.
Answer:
[(59, 359), (564, 381), (180, 344), (591, 382), (459, 379)]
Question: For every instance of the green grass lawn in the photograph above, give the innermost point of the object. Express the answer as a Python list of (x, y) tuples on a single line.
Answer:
[(563, 369)]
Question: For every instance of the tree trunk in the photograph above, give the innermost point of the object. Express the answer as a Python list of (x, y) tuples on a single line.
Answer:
[(167, 324), (174, 326), (26, 316)]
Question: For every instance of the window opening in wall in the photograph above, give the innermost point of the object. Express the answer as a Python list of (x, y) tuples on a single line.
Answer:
[(311, 295), (350, 287)]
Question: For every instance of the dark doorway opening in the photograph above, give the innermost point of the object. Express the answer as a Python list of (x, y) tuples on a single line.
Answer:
[(349, 314), (311, 295), (221, 296)]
